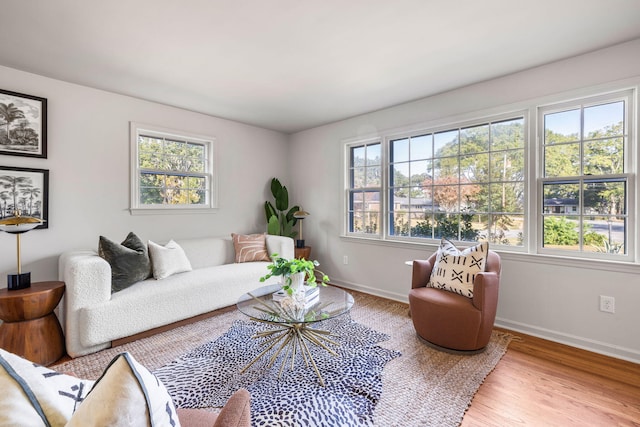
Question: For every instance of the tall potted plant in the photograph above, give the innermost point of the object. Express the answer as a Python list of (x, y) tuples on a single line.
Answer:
[(280, 219)]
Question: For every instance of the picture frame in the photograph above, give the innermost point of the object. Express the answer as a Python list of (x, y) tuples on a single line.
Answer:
[(23, 125), (28, 189)]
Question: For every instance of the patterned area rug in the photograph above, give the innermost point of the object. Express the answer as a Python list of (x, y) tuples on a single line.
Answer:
[(424, 387), (208, 375)]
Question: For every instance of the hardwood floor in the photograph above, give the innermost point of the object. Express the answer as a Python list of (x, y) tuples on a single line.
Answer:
[(540, 383)]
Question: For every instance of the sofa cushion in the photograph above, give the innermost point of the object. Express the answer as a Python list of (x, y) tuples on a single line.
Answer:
[(129, 261), (168, 259), (33, 395), (250, 247), (126, 394), (455, 270)]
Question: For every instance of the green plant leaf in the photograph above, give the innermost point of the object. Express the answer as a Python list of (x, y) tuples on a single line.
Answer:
[(282, 199), (269, 210), (275, 187), (273, 227)]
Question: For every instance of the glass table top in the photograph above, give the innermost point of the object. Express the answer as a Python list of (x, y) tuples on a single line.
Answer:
[(260, 304)]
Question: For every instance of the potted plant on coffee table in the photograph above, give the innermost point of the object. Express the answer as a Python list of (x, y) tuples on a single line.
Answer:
[(295, 273)]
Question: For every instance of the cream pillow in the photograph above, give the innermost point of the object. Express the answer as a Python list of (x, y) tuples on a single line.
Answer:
[(455, 270), (32, 395), (126, 394), (250, 247), (168, 259)]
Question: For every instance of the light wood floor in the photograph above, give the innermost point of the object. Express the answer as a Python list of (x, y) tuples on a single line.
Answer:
[(540, 383)]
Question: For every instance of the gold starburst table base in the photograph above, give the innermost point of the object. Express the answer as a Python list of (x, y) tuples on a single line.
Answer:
[(291, 340)]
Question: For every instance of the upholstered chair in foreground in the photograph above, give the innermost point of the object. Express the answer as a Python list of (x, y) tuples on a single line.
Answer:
[(450, 320), (236, 413)]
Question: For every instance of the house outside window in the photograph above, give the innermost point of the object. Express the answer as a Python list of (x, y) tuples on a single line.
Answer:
[(171, 171), (585, 180)]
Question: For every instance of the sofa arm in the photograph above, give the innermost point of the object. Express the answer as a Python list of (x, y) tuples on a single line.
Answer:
[(88, 282), (281, 245)]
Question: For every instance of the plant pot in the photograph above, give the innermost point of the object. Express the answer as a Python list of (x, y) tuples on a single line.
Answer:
[(297, 282)]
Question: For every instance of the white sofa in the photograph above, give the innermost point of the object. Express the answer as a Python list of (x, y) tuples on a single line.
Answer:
[(92, 316)]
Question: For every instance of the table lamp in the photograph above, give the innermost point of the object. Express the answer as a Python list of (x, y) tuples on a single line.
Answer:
[(17, 225), (300, 215)]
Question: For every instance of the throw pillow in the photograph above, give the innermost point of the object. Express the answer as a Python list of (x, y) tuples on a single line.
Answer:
[(455, 270), (126, 394), (33, 395), (129, 261), (250, 247), (168, 259)]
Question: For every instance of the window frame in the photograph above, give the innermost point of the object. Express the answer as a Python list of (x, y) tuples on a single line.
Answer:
[(531, 250), (628, 95), (210, 174)]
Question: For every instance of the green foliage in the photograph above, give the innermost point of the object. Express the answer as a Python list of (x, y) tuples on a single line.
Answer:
[(280, 219), (560, 231), (165, 167), (594, 239), (286, 267)]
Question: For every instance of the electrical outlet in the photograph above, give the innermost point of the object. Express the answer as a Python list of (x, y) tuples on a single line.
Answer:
[(345, 260), (607, 304)]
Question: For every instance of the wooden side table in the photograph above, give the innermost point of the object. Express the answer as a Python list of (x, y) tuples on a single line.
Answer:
[(303, 252), (30, 328)]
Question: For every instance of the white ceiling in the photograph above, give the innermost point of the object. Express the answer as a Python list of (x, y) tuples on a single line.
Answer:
[(290, 65)]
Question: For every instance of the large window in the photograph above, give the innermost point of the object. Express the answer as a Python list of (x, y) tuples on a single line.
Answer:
[(563, 184), (171, 170), (584, 193), (463, 183)]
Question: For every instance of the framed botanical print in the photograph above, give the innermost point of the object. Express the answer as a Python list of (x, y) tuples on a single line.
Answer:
[(23, 125), (24, 190)]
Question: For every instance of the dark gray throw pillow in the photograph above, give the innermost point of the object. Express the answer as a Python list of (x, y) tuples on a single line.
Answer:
[(129, 261)]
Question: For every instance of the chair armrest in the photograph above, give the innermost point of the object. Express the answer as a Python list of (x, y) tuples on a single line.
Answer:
[(485, 290), (237, 411), (421, 273)]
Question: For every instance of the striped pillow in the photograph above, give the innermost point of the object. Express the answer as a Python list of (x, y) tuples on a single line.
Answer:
[(250, 247)]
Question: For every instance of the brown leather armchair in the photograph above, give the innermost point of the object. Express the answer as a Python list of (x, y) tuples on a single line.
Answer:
[(236, 413), (453, 321)]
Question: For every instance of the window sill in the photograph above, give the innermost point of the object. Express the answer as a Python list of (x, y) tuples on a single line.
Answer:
[(171, 211)]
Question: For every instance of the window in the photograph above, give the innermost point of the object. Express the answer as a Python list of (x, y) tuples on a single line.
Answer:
[(562, 185), (171, 170), (365, 189), (584, 185), (464, 183)]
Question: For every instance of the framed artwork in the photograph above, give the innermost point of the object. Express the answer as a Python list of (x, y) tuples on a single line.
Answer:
[(25, 190), (23, 125)]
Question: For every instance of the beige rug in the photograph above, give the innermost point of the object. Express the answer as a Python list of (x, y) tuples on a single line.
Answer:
[(423, 387)]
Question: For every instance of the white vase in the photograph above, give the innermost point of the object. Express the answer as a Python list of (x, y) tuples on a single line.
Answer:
[(297, 282)]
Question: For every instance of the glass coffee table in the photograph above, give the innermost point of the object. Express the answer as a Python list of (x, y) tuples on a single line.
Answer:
[(292, 333)]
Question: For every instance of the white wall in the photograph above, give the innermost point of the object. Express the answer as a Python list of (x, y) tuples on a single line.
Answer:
[(538, 295), (88, 160)]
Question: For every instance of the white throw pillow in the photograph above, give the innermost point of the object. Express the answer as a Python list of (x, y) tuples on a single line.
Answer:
[(126, 394), (455, 270), (32, 395), (167, 260)]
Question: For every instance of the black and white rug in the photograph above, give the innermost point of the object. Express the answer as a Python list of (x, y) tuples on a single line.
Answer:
[(208, 375)]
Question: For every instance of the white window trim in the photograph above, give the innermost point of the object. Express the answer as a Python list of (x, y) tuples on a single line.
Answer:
[(529, 252), (135, 208), (629, 95)]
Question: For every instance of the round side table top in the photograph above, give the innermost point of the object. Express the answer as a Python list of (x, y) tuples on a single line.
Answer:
[(38, 300)]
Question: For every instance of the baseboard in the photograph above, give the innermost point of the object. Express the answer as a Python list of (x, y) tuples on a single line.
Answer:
[(593, 346), (372, 291)]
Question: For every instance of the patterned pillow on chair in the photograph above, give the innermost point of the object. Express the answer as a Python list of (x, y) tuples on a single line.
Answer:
[(455, 270)]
